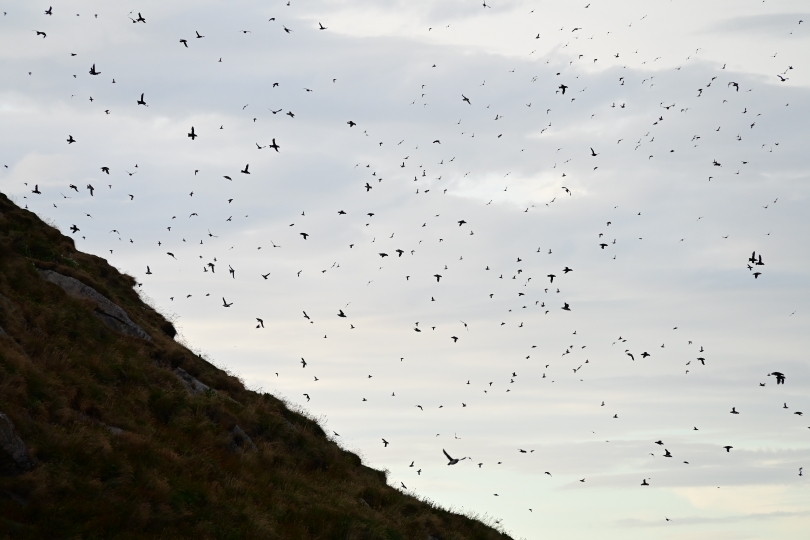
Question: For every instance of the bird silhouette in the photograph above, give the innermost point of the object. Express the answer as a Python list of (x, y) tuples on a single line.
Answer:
[(450, 460)]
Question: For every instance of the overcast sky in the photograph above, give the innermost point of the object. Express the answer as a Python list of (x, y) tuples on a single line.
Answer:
[(691, 174)]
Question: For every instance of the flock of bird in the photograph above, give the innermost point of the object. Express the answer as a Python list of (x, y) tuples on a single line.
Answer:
[(522, 279)]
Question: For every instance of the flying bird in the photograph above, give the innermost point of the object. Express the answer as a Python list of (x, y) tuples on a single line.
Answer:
[(450, 460)]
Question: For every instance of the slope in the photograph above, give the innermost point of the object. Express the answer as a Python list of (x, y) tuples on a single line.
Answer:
[(109, 428)]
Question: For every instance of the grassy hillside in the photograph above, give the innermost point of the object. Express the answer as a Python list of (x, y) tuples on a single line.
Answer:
[(121, 443)]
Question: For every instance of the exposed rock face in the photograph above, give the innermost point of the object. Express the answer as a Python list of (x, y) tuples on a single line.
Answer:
[(192, 385), (109, 313), (241, 440), (16, 459)]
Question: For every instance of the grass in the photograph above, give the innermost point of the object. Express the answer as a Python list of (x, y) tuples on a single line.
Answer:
[(176, 471)]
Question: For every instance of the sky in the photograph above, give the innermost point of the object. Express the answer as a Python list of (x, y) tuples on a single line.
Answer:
[(649, 147)]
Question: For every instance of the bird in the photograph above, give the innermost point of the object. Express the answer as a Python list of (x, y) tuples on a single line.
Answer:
[(191, 134), (450, 460), (70, 139), (245, 170), (465, 98), (386, 443), (340, 313), (141, 101), (728, 448), (226, 304), (274, 146), (321, 27), (566, 307), (93, 70)]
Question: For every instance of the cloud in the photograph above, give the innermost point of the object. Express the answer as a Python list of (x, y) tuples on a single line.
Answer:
[(678, 230)]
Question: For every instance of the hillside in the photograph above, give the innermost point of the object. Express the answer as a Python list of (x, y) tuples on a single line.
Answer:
[(109, 428)]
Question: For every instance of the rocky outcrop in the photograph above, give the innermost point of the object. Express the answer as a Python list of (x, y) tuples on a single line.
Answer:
[(14, 458), (193, 386), (240, 440), (110, 314)]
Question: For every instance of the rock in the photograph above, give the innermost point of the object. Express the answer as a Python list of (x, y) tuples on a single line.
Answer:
[(3, 332), (114, 430), (109, 313), (241, 440), (16, 453), (193, 386)]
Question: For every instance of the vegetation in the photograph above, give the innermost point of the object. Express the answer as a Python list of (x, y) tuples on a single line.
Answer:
[(177, 466)]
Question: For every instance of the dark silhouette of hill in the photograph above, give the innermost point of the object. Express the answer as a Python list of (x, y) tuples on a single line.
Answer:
[(109, 428)]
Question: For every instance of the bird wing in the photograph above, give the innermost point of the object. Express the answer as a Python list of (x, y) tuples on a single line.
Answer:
[(446, 454)]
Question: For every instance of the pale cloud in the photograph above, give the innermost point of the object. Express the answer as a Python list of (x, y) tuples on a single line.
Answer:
[(681, 240)]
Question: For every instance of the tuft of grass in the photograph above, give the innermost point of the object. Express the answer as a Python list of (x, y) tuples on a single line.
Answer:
[(124, 451)]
